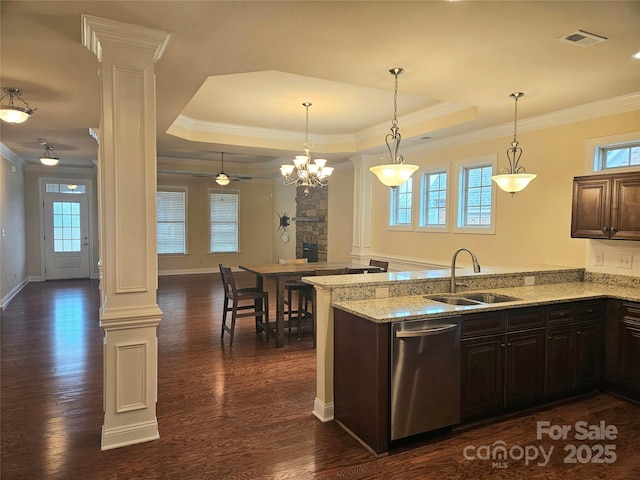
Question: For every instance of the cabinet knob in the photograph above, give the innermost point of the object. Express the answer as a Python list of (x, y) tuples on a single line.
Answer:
[(613, 229), (502, 345), (578, 332), (509, 344), (549, 337), (605, 229)]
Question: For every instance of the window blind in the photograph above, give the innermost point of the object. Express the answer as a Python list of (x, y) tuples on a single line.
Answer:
[(171, 222), (223, 209)]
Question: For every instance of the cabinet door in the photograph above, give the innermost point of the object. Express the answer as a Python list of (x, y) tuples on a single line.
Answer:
[(558, 361), (625, 207), (629, 370), (587, 354), (590, 213), (524, 367), (482, 375)]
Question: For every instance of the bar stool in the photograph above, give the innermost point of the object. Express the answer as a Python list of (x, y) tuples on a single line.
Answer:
[(233, 299)]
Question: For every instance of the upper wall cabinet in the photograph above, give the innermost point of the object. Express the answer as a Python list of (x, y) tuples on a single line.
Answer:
[(606, 206)]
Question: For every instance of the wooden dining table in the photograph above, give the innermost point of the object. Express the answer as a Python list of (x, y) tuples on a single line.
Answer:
[(282, 273)]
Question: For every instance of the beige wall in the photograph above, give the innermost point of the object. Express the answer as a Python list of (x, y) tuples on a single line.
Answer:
[(284, 201), (340, 228), (533, 226), (256, 233), (13, 260)]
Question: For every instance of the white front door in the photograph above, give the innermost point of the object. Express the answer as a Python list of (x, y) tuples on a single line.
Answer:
[(66, 236)]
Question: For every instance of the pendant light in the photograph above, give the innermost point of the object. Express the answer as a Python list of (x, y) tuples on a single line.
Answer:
[(11, 113), (394, 172), (222, 178), (307, 174), (49, 157), (515, 178)]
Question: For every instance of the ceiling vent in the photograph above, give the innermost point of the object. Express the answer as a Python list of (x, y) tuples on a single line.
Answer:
[(582, 38)]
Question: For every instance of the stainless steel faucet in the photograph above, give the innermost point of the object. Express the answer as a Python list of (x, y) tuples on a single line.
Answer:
[(476, 267)]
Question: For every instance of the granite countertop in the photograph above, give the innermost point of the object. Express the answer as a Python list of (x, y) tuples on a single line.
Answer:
[(390, 309)]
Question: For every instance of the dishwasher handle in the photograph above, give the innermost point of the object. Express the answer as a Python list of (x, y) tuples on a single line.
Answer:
[(427, 332)]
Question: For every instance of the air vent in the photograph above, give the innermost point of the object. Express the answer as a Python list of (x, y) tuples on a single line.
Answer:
[(582, 38)]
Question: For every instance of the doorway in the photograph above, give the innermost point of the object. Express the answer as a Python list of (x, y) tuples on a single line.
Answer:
[(66, 239)]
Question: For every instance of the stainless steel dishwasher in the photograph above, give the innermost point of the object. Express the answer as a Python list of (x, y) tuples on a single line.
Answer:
[(425, 375)]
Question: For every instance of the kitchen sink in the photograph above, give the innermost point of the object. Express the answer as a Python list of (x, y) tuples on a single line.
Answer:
[(451, 300), (471, 298), (490, 297)]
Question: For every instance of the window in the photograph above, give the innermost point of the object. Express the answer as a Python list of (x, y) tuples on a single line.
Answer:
[(65, 188), (66, 227), (400, 205), (223, 208), (434, 201), (620, 156), (475, 196), (171, 225)]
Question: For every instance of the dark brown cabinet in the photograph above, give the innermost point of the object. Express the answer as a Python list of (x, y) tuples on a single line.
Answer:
[(622, 358), (505, 369), (606, 206), (574, 347)]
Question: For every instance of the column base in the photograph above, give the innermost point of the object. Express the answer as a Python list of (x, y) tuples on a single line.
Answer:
[(129, 435), (324, 411)]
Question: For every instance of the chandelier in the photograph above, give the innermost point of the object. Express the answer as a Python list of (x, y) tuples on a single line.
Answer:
[(515, 178), (11, 113), (306, 174), (222, 178), (394, 172)]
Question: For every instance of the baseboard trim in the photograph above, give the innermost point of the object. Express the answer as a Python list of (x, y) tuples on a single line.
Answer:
[(4, 301), (129, 435)]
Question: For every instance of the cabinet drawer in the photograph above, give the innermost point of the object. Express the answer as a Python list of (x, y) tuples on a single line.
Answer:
[(474, 325), (525, 318), (589, 310), (559, 313)]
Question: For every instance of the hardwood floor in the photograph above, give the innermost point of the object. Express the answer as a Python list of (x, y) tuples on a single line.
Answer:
[(234, 413)]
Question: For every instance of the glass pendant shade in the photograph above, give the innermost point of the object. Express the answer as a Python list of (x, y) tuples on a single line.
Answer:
[(513, 182), (49, 157), (222, 178), (394, 174), (11, 113)]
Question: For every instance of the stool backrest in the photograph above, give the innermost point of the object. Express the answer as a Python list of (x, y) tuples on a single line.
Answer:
[(228, 281), (384, 266), (292, 261), (331, 271)]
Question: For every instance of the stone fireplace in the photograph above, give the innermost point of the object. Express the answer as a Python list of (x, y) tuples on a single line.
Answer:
[(311, 221)]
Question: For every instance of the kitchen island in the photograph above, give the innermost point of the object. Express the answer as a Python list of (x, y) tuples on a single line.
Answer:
[(396, 296)]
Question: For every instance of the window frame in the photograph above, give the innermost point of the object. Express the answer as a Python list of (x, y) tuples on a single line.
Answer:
[(172, 189), (212, 192), (424, 192), (460, 195), (596, 146), (392, 223)]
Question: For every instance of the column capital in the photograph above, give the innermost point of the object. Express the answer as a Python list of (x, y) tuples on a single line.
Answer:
[(96, 31)]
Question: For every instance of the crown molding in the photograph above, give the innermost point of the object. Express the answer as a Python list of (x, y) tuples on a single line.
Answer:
[(12, 157)]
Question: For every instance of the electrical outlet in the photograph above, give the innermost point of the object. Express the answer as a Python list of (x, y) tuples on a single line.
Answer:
[(598, 258), (382, 292), (625, 260), (529, 281)]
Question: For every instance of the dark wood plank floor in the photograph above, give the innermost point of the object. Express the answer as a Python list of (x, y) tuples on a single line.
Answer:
[(231, 413)]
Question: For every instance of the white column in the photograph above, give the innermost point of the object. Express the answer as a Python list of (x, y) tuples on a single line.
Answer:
[(323, 407), (362, 199), (129, 313)]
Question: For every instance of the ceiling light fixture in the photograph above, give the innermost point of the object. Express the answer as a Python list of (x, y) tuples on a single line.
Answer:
[(307, 174), (222, 178), (515, 178), (11, 113), (49, 156), (396, 172)]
